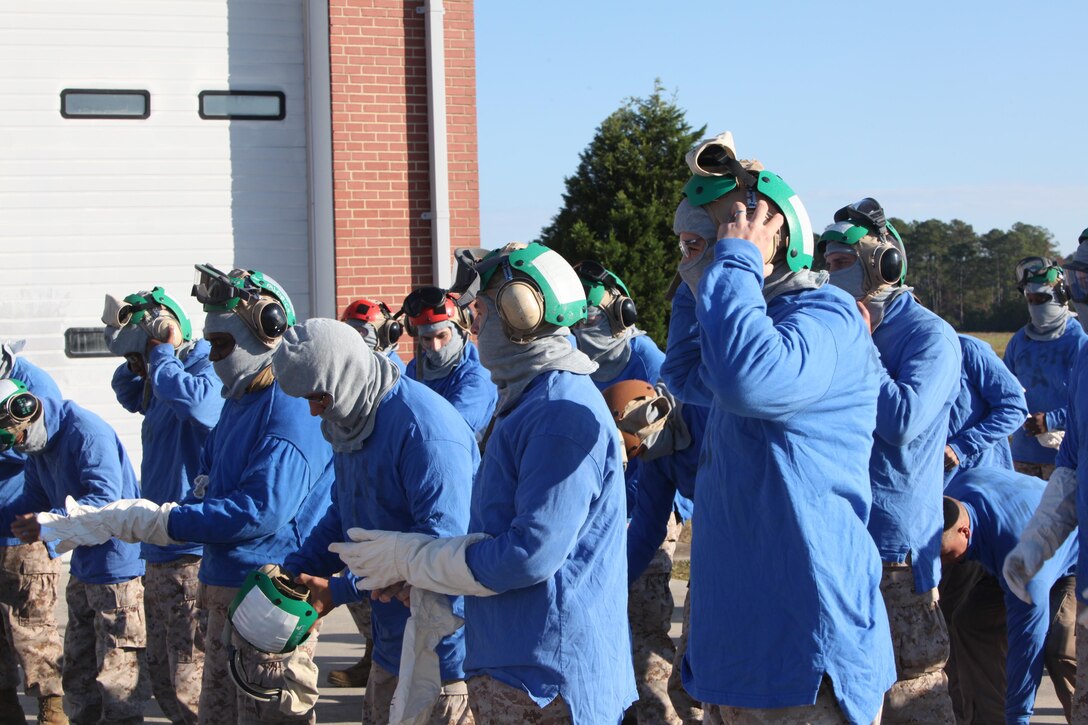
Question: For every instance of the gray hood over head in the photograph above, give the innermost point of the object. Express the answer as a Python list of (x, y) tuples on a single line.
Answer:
[(327, 356)]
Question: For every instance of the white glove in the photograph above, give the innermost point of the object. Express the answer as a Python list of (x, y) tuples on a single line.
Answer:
[(1051, 524), (1051, 439), (420, 679), (387, 557), (1021, 566), (130, 519)]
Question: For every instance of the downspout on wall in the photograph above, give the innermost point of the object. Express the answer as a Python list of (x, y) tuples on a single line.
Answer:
[(439, 153)]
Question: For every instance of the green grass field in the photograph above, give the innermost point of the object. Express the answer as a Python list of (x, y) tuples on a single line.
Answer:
[(997, 340)]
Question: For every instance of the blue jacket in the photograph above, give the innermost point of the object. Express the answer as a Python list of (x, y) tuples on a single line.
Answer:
[(391, 353), (1043, 369), (1000, 503), (11, 461), (468, 388), (920, 379), (270, 480), (414, 473), (792, 388), (84, 459), (661, 483), (184, 407), (1072, 451), (989, 407), (550, 492)]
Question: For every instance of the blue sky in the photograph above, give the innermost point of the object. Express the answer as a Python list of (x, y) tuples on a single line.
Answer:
[(967, 110)]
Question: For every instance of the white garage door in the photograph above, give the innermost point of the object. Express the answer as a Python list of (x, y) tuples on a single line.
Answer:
[(90, 205)]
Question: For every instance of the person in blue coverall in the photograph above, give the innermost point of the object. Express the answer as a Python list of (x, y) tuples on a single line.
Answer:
[(29, 578), (610, 338), (377, 326), (989, 408), (1065, 500), (666, 437), (544, 573), (446, 361), (381, 331), (72, 453), (1002, 641), (1041, 356), (404, 461), (919, 381), (265, 480), (786, 617), (167, 378)]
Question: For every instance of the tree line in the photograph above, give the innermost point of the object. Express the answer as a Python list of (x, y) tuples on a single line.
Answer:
[(618, 208)]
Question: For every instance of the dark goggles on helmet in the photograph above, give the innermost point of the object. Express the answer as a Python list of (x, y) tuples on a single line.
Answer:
[(218, 291), (1036, 270), (866, 213), (15, 412), (425, 299)]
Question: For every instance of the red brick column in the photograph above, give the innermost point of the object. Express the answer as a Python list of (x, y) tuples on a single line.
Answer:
[(381, 186)]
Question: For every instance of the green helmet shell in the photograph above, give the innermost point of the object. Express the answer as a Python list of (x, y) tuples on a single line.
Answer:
[(261, 604), (850, 233), (158, 295), (564, 298), (595, 290), (264, 283), (701, 190)]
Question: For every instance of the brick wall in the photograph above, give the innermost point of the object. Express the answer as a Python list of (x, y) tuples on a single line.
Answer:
[(381, 169)]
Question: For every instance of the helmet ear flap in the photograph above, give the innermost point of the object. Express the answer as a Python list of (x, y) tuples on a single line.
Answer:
[(392, 331), (626, 312), (268, 320), (890, 265), (521, 307)]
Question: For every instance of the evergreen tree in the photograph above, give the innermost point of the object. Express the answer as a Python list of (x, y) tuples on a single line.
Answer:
[(619, 204)]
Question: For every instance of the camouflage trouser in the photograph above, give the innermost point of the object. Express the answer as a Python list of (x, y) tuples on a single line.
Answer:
[(920, 639), (360, 612), (496, 703), (649, 609), (979, 635), (105, 672), (1039, 470), (221, 702), (687, 707), (825, 711), (451, 707), (1080, 693), (28, 603), (175, 637)]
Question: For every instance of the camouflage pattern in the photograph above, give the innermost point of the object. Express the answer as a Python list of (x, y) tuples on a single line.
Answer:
[(29, 582), (825, 711), (360, 612), (220, 700), (1039, 470), (105, 669), (649, 609), (451, 708), (496, 703), (175, 637), (920, 638), (687, 708)]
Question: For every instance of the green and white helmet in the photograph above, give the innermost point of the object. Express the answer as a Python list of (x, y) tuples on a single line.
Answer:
[(271, 612), (718, 194), (535, 290)]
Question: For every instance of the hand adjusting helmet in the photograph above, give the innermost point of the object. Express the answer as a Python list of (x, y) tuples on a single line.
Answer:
[(607, 291), (1043, 271), (255, 297), (155, 312), (18, 409), (375, 313), (720, 180), (863, 227), (535, 290), (430, 306)]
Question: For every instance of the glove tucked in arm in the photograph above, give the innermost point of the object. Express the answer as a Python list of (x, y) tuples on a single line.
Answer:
[(1050, 526), (382, 558), (131, 519)]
